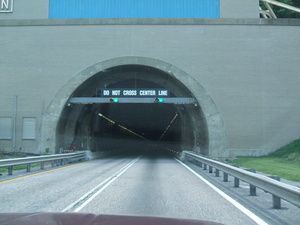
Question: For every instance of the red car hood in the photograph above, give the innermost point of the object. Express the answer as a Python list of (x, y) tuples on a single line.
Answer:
[(91, 219)]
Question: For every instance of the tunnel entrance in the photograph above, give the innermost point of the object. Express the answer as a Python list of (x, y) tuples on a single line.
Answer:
[(112, 126), (196, 127), (137, 127)]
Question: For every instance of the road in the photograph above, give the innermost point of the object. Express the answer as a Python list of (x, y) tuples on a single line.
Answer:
[(145, 185)]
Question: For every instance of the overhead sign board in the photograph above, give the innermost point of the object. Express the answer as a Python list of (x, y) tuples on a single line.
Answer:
[(6, 6), (70, 9), (142, 93)]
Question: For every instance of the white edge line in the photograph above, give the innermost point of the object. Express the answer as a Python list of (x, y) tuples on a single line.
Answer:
[(228, 198), (107, 182)]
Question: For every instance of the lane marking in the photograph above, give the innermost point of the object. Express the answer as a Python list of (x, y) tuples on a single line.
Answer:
[(31, 175), (88, 197), (246, 211)]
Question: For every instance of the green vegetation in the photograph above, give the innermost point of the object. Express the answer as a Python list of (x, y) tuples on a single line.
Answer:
[(47, 150), (282, 12), (285, 162), (18, 167), (290, 152)]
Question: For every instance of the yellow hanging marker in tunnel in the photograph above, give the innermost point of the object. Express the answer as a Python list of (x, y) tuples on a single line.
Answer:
[(124, 128)]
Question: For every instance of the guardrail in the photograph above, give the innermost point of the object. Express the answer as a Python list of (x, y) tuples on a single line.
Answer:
[(58, 159), (278, 189)]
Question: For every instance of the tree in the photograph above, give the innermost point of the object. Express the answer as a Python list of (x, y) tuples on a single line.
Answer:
[(282, 12)]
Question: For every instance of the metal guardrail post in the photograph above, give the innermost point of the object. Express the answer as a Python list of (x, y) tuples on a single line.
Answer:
[(276, 199), (252, 187), (225, 177), (28, 167), (10, 170), (210, 169), (200, 164), (236, 180), (217, 172), (42, 165), (205, 166)]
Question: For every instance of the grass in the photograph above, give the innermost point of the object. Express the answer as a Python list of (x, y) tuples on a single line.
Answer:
[(285, 162), (18, 167)]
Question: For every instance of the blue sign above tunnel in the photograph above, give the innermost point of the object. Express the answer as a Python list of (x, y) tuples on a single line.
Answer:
[(69, 9)]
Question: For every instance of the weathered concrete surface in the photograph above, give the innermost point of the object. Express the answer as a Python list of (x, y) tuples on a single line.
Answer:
[(239, 9), (29, 9), (248, 68)]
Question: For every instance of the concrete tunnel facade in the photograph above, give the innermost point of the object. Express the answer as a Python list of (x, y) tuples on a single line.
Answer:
[(200, 126), (244, 63)]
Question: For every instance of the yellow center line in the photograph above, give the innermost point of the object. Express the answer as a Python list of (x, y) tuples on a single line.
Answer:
[(31, 175)]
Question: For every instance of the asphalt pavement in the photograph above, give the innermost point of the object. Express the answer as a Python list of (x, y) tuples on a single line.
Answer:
[(148, 185)]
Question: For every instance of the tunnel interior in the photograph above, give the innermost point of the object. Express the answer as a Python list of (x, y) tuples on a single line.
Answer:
[(132, 126)]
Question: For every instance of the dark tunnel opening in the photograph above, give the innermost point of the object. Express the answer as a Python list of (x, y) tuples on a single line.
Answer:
[(132, 126)]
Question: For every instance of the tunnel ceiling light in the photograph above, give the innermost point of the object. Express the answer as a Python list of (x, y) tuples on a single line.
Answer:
[(159, 100), (114, 100)]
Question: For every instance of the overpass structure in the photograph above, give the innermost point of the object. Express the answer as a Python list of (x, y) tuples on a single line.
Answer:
[(241, 71)]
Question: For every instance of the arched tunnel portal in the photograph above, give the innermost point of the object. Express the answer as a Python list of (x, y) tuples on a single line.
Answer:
[(138, 126)]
